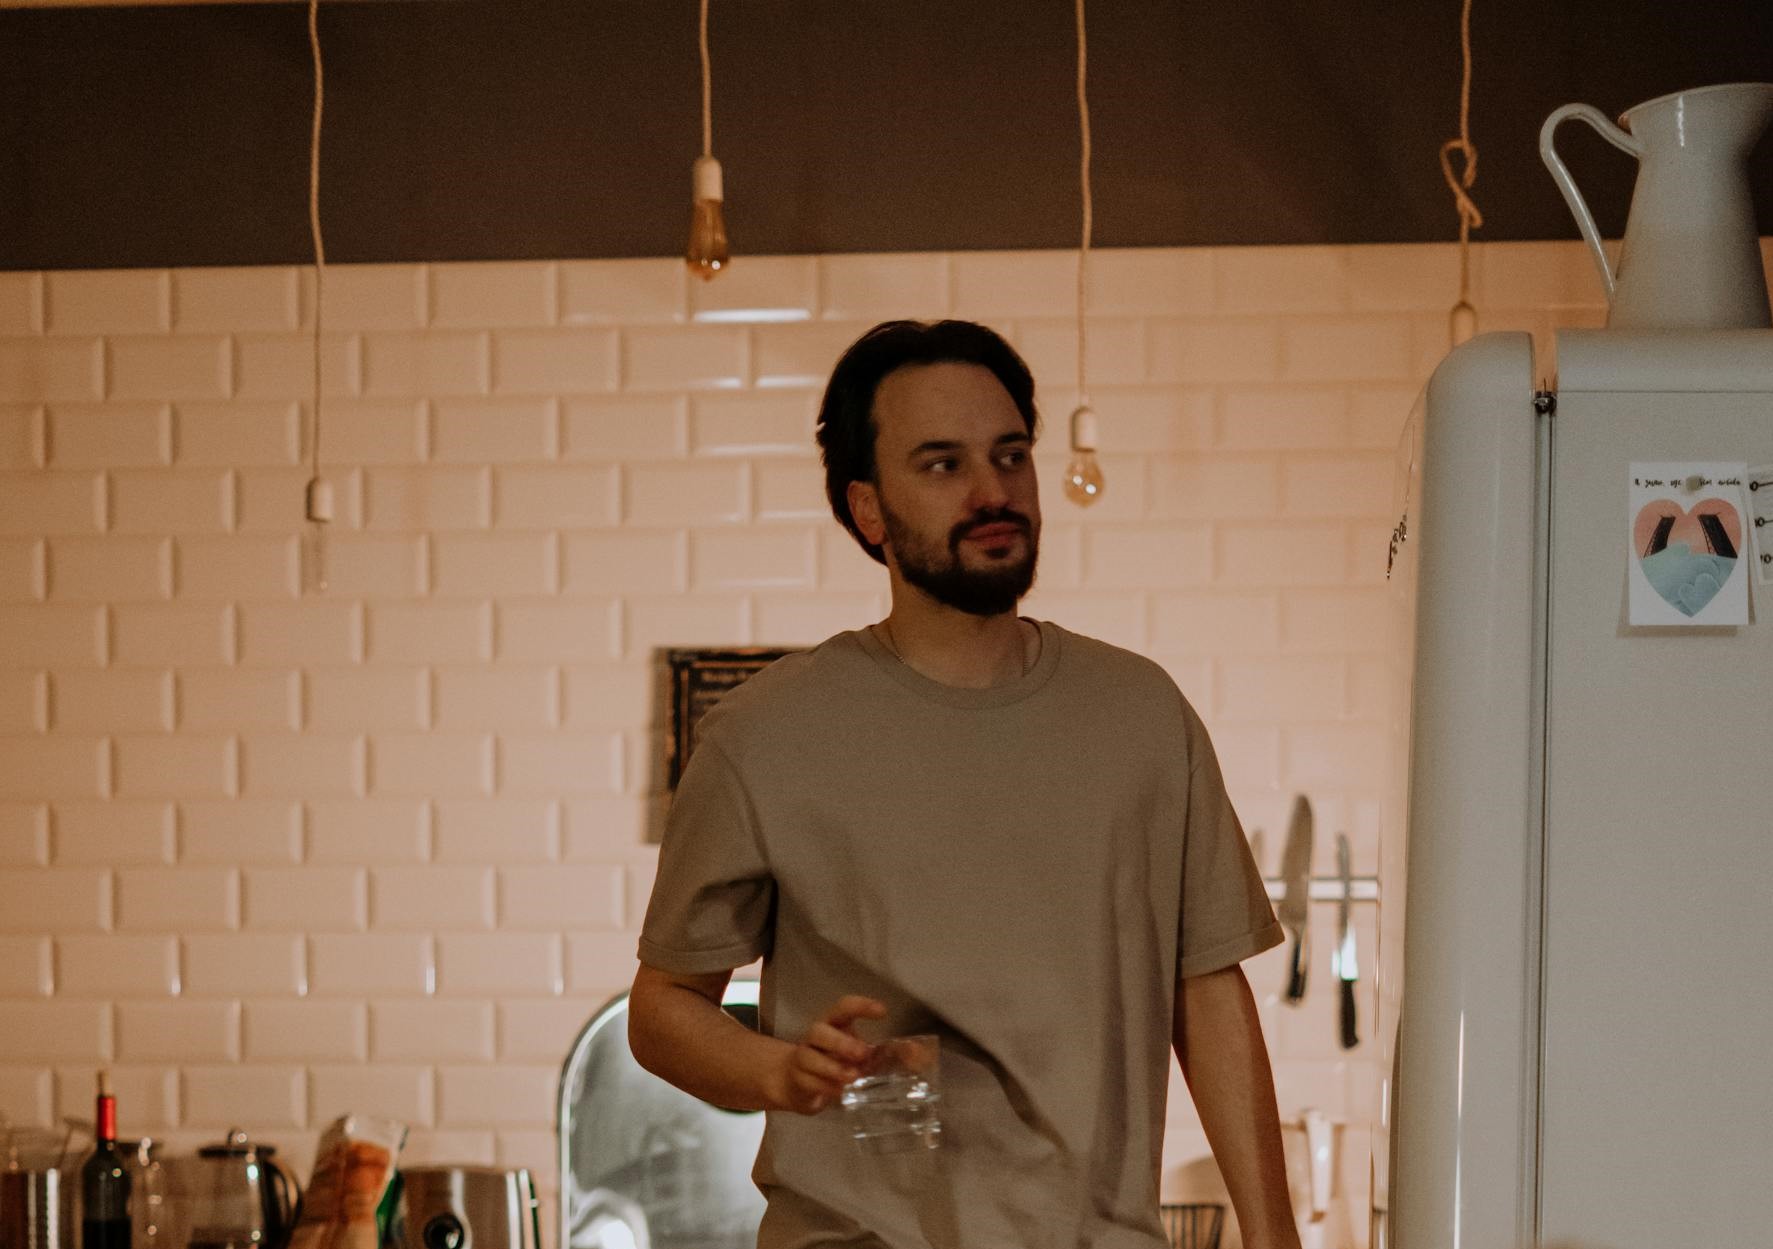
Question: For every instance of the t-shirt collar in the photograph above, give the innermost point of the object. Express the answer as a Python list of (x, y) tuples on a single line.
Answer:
[(1051, 643)]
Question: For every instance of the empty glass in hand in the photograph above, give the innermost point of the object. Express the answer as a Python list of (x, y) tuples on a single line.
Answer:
[(894, 1105)]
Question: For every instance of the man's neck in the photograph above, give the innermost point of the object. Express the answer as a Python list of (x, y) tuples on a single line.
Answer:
[(954, 647)]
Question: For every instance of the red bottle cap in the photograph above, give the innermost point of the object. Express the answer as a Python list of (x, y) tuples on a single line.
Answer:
[(106, 1125)]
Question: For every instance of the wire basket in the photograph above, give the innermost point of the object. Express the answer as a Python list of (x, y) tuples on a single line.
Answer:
[(1195, 1225)]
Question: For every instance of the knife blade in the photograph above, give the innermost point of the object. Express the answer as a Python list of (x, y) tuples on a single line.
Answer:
[(1347, 971), (1295, 905)]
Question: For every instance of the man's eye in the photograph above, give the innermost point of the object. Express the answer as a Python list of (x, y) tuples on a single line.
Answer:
[(939, 466), (1015, 458)]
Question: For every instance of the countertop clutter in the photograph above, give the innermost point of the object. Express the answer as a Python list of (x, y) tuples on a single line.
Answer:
[(236, 1194)]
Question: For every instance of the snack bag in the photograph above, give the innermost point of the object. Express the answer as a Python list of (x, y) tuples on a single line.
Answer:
[(344, 1205)]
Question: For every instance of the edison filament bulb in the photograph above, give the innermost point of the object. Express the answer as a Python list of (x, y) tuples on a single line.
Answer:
[(707, 253), (315, 574), (1083, 475)]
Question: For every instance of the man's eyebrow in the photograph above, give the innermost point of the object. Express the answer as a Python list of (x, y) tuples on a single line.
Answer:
[(934, 445)]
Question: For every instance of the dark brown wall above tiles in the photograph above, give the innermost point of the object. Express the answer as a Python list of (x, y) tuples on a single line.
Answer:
[(488, 129)]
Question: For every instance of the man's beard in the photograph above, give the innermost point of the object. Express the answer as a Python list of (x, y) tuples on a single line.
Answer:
[(939, 571)]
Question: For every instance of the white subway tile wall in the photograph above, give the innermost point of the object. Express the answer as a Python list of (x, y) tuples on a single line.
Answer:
[(386, 848)]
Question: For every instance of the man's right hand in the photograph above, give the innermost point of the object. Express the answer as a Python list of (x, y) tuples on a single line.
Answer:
[(814, 1072), (677, 1031)]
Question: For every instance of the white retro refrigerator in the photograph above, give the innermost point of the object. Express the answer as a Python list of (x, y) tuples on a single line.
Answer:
[(1581, 978)]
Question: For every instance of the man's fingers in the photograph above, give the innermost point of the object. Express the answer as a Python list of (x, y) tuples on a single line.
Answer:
[(831, 1056), (830, 1073), (838, 1043), (811, 1092), (854, 1006)]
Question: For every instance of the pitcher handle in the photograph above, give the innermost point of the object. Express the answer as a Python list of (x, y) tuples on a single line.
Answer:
[(1561, 175), (286, 1194)]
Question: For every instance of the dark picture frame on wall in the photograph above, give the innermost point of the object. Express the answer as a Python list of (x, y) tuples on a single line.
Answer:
[(698, 678)]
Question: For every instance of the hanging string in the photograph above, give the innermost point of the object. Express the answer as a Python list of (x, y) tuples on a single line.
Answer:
[(1400, 532), (1083, 474), (1462, 321), (707, 252), (707, 88), (1083, 177), (1460, 184), (314, 213), (318, 497)]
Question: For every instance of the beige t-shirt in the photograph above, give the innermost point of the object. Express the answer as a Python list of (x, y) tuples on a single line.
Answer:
[(1024, 870)]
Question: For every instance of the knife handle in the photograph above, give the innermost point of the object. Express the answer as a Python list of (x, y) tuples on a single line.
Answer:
[(1296, 977), (1349, 1038)]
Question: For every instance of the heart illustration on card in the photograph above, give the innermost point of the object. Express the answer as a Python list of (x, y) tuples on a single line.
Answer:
[(1688, 554)]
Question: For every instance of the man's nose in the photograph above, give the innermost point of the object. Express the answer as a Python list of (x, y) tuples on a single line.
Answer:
[(987, 489)]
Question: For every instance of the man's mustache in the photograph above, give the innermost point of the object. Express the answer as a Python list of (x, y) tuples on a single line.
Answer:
[(997, 516)]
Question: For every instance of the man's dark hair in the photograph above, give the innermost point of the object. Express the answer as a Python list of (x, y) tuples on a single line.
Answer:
[(846, 430)]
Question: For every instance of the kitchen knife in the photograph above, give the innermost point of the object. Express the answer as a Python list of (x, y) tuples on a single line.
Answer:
[(1343, 964), (1295, 905)]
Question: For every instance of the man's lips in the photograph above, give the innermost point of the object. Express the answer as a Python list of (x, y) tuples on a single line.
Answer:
[(995, 530)]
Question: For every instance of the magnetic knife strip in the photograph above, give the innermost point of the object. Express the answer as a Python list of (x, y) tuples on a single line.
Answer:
[(1328, 888)]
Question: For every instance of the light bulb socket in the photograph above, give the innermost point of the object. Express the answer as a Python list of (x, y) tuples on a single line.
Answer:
[(319, 500), (706, 180), (1083, 429)]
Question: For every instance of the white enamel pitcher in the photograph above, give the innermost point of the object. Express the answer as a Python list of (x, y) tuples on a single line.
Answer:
[(1691, 257)]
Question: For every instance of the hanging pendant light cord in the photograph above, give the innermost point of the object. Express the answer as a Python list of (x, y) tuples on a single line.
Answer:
[(1469, 219), (1083, 177), (707, 88), (314, 217), (1460, 184)]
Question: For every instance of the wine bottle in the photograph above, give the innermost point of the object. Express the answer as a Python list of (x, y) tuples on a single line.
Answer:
[(104, 1181)]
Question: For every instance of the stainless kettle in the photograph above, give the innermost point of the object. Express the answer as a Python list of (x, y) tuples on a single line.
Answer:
[(240, 1197), (445, 1207)]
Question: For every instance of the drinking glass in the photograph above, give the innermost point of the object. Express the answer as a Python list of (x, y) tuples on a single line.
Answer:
[(894, 1105)]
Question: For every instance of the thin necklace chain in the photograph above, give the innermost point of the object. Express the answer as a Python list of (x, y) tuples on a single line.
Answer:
[(892, 645)]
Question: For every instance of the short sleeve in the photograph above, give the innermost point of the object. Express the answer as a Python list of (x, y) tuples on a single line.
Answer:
[(713, 902), (1226, 915)]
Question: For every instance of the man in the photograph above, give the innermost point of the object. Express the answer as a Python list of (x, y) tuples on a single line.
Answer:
[(962, 822)]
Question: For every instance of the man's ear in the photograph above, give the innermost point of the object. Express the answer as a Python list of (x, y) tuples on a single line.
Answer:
[(864, 501)]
